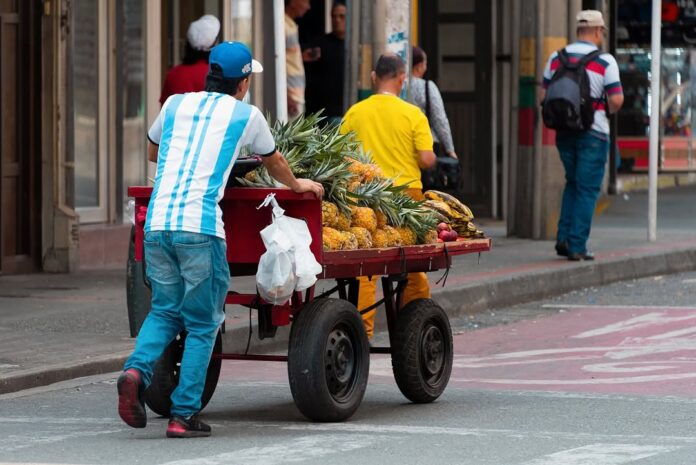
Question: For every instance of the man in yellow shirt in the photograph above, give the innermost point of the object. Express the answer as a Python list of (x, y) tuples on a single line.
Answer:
[(398, 136)]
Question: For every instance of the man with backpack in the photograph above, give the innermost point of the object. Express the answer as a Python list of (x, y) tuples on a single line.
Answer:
[(582, 86)]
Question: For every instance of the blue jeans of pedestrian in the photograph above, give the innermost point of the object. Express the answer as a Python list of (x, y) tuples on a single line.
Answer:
[(584, 157), (189, 277)]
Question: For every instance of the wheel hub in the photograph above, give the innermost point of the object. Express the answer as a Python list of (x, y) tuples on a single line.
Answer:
[(339, 360), (432, 350)]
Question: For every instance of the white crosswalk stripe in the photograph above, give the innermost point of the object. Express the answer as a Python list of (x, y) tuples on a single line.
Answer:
[(602, 454)]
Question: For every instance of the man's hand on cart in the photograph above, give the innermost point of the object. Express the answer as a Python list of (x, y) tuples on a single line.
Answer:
[(278, 167)]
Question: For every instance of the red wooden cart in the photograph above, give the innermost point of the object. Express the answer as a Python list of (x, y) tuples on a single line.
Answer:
[(328, 354)]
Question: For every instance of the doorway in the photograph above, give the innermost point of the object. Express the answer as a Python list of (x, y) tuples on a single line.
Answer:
[(455, 35), (20, 78)]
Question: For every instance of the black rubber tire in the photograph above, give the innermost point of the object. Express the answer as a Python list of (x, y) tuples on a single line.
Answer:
[(328, 360), (423, 351), (165, 377)]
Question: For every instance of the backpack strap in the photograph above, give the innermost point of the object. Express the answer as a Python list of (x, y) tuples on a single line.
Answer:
[(589, 57)]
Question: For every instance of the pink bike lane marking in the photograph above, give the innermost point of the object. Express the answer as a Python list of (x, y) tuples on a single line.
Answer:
[(628, 350)]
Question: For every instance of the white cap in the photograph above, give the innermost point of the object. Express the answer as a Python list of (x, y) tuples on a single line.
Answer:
[(590, 18), (203, 32)]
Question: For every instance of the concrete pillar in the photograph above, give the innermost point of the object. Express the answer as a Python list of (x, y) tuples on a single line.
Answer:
[(381, 26), (540, 175), (60, 223)]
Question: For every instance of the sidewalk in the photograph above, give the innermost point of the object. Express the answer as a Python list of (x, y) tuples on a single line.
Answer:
[(57, 327)]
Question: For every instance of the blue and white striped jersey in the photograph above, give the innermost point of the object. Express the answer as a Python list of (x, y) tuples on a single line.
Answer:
[(199, 136)]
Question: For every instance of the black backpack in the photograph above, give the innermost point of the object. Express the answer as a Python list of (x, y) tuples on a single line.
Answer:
[(568, 104)]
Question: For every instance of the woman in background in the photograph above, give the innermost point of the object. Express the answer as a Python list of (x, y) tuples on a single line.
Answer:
[(426, 96)]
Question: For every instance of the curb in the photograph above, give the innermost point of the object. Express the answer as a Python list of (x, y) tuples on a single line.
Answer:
[(521, 288), (496, 292), (36, 377)]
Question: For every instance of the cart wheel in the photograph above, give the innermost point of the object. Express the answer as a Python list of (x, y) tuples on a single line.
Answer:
[(422, 355), (328, 360), (165, 377)]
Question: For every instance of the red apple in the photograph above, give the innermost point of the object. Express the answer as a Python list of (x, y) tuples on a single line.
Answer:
[(443, 227)]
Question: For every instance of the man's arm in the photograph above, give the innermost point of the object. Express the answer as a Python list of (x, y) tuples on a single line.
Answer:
[(152, 150), (426, 159), (615, 102), (278, 167)]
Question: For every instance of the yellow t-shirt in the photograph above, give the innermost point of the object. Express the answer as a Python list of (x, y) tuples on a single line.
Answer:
[(392, 130)]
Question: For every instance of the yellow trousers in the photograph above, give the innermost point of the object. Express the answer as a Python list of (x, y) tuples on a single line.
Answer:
[(417, 288)]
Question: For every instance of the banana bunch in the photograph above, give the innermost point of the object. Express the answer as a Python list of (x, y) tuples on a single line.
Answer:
[(450, 210)]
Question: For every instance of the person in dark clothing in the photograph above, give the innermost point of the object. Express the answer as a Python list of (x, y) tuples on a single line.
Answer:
[(325, 74)]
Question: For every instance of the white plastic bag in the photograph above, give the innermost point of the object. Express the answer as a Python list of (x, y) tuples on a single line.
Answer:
[(288, 264)]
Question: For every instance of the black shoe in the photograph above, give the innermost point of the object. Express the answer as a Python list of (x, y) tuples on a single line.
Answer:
[(180, 427), (562, 248), (576, 257), (131, 407)]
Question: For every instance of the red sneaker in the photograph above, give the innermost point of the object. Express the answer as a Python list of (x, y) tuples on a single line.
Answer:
[(131, 407), (180, 427)]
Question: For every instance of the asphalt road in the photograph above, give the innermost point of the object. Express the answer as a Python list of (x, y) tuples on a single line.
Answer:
[(603, 376)]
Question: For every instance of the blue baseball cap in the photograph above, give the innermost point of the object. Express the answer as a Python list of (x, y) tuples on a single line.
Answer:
[(234, 58)]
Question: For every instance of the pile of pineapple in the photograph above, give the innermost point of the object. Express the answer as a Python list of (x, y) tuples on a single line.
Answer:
[(361, 209)]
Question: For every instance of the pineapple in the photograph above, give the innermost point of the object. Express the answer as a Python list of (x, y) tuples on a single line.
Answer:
[(364, 217), (393, 236), (251, 176), (380, 239), (329, 214), (381, 220), (332, 239), (430, 237), (343, 222), (351, 181), (350, 242), (408, 237), (363, 236)]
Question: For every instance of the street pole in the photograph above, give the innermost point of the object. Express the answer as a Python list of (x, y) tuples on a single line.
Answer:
[(655, 100)]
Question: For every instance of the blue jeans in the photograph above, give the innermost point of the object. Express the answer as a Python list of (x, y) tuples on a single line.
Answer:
[(190, 277), (584, 157)]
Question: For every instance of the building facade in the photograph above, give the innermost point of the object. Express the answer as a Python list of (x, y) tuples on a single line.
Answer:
[(81, 80)]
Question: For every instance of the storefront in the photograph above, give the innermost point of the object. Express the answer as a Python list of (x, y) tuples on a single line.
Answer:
[(678, 93), (119, 54)]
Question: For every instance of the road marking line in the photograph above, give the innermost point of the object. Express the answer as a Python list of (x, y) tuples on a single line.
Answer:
[(62, 420), (357, 427), (24, 442), (642, 321), (620, 307), (290, 451), (602, 454), (579, 382)]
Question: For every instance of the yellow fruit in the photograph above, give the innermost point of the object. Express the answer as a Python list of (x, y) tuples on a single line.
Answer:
[(393, 236), (354, 185), (407, 236), (381, 219), (363, 237), (380, 239), (329, 214), (372, 172), (430, 237), (342, 222), (250, 176), (350, 242), (332, 239), (364, 217), (452, 201)]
